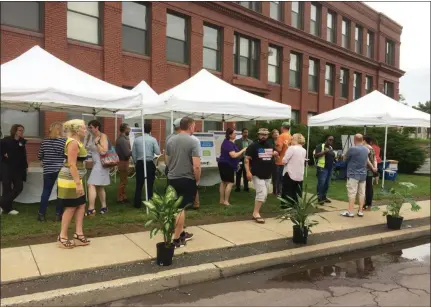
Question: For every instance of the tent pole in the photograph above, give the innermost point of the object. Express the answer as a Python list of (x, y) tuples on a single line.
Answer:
[(115, 141), (365, 130), (172, 121), (144, 161), (384, 157), (308, 148), (203, 125)]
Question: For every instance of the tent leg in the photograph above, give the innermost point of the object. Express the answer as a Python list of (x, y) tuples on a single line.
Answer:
[(172, 122), (115, 141), (144, 158), (308, 148), (365, 130), (203, 125), (384, 157)]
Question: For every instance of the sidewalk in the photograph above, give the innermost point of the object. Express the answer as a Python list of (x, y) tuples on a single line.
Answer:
[(34, 261)]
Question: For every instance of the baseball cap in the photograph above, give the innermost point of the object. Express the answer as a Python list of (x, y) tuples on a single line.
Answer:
[(286, 125), (263, 131), (177, 123)]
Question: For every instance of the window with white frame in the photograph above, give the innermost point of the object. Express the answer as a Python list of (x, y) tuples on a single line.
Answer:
[(134, 28), (276, 10), (313, 83), (370, 44), (273, 65), (315, 19), (358, 39), (331, 27), (368, 84), (390, 52), (295, 71), (22, 14), (177, 39), (294, 117), (211, 52), (83, 23), (246, 56), (356, 85), (30, 120), (389, 89), (345, 34), (344, 82), (329, 80), (297, 15)]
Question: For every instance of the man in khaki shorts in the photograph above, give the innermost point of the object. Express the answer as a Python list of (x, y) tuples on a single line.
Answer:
[(259, 158), (357, 160)]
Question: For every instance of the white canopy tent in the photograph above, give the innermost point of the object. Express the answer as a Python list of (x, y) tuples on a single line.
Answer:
[(205, 96), (374, 109), (37, 80)]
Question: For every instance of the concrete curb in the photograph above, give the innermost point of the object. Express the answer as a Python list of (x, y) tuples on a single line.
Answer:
[(103, 292)]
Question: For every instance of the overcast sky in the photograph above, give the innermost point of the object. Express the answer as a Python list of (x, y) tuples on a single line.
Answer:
[(415, 46)]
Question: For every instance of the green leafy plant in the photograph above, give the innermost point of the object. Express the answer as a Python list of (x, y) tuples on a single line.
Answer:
[(398, 198), (163, 211), (301, 210)]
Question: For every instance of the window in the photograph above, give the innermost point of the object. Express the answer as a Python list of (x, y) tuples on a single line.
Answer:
[(313, 75), (356, 85), (329, 80), (252, 5), (134, 28), (358, 39), (345, 34), (297, 14), (331, 27), (211, 57), (344, 82), (294, 71), (294, 119), (25, 15), (177, 39), (30, 121), (315, 20), (83, 22), (368, 84), (370, 44), (246, 56), (212, 126), (273, 65), (389, 89), (275, 10), (390, 52)]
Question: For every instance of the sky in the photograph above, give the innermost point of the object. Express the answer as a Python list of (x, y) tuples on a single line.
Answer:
[(415, 46)]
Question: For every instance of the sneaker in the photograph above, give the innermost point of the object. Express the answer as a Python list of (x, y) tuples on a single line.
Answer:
[(185, 236), (13, 212), (103, 210), (178, 243), (327, 201), (41, 218), (361, 214), (347, 214)]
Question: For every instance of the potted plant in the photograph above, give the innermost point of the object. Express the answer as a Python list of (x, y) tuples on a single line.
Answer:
[(299, 211), (396, 201), (163, 211)]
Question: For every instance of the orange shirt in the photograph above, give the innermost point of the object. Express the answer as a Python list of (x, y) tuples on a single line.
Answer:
[(280, 141)]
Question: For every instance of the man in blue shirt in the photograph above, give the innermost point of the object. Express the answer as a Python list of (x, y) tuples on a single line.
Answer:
[(151, 149), (357, 161)]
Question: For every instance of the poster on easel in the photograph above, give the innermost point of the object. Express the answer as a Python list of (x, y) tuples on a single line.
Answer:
[(134, 133), (207, 150), (347, 141), (219, 137)]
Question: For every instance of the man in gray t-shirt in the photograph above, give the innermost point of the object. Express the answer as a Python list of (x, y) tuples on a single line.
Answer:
[(356, 158), (183, 161)]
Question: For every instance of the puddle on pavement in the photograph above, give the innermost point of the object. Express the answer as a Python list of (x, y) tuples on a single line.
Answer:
[(356, 267)]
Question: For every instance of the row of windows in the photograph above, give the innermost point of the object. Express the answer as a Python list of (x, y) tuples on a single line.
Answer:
[(84, 24)]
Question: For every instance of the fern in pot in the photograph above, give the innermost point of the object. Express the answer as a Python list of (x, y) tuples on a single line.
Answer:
[(163, 211), (398, 198), (300, 212)]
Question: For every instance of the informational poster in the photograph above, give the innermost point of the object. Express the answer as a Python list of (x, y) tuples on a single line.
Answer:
[(219, 137), (347, 141), (134, 133), (208, 153)]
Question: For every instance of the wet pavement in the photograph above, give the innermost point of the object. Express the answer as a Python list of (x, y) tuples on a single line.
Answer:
[(400, 278)]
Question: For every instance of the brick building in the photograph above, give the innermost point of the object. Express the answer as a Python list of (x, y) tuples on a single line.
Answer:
[(314, 56)]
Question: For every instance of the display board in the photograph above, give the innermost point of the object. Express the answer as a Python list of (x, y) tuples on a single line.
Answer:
[(219, 137), (134, 133), (347, 141), (208, 149)]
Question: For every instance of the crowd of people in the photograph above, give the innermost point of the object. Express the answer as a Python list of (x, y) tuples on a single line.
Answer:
[(274, 157)]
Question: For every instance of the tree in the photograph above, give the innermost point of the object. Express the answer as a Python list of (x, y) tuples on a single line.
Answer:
[(402, 99), (424, 107)]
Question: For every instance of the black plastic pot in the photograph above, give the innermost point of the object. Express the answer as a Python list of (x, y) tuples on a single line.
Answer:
[(394, 222), (300, 235), (165, 254)]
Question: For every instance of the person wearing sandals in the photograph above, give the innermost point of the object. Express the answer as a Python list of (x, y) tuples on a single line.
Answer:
[(97, 144), (357, 161), (51, 155), (70, 187)]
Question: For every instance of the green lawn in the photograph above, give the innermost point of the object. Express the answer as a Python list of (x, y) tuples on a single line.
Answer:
[(24, 229)]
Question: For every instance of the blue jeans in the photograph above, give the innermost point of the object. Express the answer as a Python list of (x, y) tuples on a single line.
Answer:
[(48, 183), (323, 178)]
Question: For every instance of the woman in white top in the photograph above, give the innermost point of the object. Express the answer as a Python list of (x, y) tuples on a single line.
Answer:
[(294, 164)]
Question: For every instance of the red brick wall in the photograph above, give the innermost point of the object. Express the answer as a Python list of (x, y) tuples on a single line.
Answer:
[(108, 62)]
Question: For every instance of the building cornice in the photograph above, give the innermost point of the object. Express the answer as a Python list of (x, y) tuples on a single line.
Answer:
[(249, 16)]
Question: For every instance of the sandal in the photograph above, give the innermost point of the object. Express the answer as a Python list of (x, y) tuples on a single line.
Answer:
[(80, 240), (103, 210), (91, 212), (65, 243), (259, 220)]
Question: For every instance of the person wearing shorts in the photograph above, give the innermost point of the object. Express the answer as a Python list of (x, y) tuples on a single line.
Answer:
[(183, 161), (357, 161), (258, 165)]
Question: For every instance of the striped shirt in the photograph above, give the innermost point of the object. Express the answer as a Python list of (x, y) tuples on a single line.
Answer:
[(51, 153)]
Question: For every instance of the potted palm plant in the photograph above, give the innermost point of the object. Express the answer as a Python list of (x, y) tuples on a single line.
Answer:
[(163, 211), (300, 211), (396, 201)]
